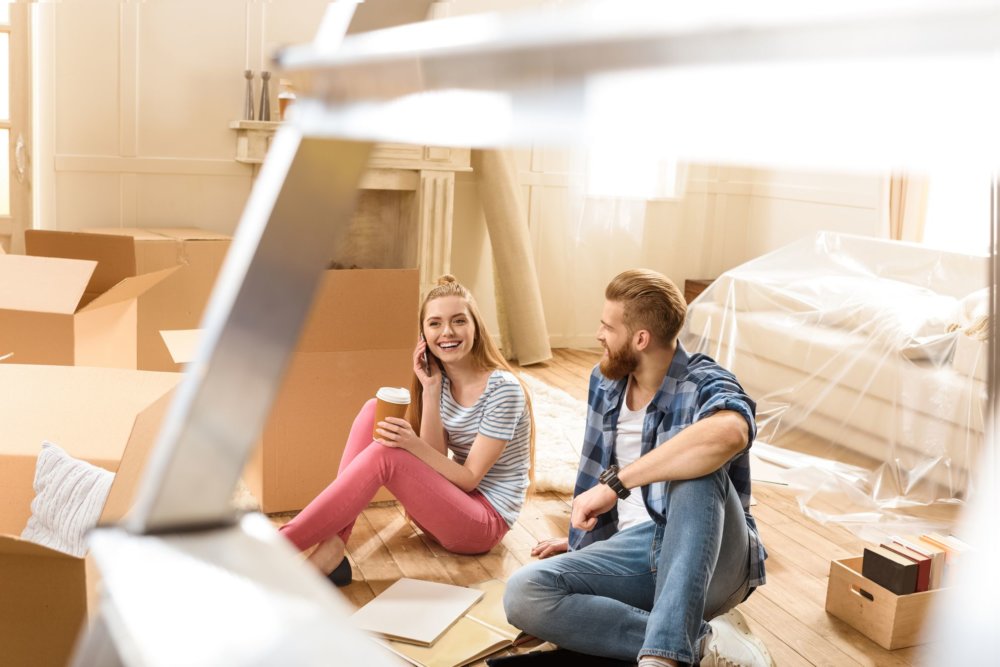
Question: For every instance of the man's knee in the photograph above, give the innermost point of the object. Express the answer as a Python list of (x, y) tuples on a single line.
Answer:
[(529, 596), (712, 486)]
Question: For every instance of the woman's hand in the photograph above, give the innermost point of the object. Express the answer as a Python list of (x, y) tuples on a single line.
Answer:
[(551, 547), (396, 432), (430, 377)]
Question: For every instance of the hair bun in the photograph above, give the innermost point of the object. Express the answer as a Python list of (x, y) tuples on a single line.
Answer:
[(446, 279)]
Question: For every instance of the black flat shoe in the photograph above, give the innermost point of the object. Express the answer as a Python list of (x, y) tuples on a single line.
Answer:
[(341, 575)]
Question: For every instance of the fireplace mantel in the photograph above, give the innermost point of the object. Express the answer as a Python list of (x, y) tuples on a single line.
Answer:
[(428, 172)]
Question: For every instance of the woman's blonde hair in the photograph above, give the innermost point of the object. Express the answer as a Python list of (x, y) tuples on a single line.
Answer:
[(485, 355)]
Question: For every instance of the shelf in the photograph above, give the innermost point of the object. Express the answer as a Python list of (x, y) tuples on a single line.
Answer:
[(395, 172), (253, 138)]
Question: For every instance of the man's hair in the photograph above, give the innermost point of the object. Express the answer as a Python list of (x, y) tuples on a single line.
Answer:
[(650, 301)]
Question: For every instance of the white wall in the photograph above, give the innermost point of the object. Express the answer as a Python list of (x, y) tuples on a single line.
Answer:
[(133, 105), (134, 100), (725, 216)]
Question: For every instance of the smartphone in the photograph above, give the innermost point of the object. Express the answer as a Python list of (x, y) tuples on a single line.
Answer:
[(427, 358)]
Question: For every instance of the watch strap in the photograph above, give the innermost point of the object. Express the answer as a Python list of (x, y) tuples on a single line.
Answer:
[(610, 478)]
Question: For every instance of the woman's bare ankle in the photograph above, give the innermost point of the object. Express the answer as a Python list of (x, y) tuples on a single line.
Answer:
[(328, 554)]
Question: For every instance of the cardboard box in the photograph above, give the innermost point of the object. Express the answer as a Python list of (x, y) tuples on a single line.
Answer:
[(176, 303), (891, 621), (48, 317), (359, 336), (108, 417)]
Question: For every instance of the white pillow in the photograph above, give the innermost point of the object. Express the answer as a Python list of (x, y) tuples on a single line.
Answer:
[(69, 498), (901, 315), (891, 309), (973, 308)]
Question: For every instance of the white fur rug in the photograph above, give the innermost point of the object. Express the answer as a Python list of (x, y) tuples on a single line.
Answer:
[(559, 426)]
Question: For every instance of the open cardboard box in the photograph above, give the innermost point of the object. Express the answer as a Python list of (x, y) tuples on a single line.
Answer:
[(359, 336), (47, 317), (108, 417), (178, 302)]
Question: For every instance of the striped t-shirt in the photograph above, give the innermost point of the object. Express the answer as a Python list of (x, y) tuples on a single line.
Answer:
[(501, 413)]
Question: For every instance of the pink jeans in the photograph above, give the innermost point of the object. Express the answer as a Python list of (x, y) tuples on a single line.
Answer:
[(461, 522)]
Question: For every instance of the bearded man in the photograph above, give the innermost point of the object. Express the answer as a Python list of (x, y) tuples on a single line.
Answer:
[(662, 545)]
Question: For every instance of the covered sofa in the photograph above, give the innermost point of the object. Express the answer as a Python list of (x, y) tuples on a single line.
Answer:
[(862, 351)]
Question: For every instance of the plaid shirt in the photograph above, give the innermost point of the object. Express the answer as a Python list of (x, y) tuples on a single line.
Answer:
[(694, 388)]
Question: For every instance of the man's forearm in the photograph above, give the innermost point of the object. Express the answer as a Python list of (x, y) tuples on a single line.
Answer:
[(698, 450)]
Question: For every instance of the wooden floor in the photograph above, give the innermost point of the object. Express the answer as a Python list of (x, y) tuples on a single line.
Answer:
[(787, 613)]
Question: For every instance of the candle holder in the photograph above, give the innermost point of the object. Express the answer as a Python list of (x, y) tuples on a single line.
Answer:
[(265, 97), (248, 96)]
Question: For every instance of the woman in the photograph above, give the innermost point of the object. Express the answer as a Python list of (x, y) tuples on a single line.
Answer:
[(466, 399)]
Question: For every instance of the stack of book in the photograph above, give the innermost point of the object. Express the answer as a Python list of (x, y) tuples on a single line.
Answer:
[(912, 563), (431, 624)]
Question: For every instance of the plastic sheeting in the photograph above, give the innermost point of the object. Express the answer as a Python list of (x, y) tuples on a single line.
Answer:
[(867, 359)]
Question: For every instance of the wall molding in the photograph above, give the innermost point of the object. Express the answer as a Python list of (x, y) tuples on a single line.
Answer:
[(784, 191), (548, 179), (558, 340), (716, 187), (110, 164)]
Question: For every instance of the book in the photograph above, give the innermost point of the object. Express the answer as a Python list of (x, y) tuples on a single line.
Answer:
[(415, 611), (951, 544), (482, 631), (889, 570), (953, 547), (923, 564), (914, 544)]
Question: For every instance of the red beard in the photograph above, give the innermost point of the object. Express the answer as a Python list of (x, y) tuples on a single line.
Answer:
[(619, 363)]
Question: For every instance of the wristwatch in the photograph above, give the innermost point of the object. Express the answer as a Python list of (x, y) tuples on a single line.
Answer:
[(610, 477)]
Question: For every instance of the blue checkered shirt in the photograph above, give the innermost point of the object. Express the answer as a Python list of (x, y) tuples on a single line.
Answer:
[(694, 388)]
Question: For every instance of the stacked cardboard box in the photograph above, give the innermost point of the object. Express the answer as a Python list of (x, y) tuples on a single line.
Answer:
[(53, 312), (176, 303)]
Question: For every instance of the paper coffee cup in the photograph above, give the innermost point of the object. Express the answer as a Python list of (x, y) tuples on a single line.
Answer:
[(390, 402)]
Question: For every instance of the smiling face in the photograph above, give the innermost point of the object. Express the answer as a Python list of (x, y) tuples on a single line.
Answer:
[(449, 328), (620, 358)]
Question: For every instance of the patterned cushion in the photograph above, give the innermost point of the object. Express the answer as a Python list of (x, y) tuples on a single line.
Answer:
[(69, 498)]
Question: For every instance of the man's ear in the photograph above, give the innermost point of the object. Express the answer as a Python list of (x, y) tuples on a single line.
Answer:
[(641, 339)]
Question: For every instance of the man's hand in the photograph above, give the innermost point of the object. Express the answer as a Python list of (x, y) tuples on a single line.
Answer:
[(551, 547), (591, 504)]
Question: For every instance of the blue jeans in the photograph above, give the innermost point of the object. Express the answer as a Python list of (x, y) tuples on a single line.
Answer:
[(647, 590)]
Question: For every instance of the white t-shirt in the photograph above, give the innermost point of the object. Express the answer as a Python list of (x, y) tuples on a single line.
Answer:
[(628, 447)]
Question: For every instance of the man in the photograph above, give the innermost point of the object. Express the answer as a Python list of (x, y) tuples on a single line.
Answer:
[(661, 534)]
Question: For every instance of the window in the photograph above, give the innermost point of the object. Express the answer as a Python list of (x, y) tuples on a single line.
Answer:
[(15, 124), (958, 212), (5, 124)]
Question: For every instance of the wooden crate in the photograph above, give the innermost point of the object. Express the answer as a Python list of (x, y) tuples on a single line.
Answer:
[(891, 621)]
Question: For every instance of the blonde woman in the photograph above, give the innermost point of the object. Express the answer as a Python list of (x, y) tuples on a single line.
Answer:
[(466, 400)]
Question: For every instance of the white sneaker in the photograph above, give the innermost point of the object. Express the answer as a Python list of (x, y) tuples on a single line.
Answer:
[(731, 644)]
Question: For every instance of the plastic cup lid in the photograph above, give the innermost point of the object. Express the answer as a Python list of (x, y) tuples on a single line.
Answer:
[(393, 395)]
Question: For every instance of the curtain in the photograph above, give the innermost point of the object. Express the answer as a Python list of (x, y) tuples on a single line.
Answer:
[(907, 207)]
